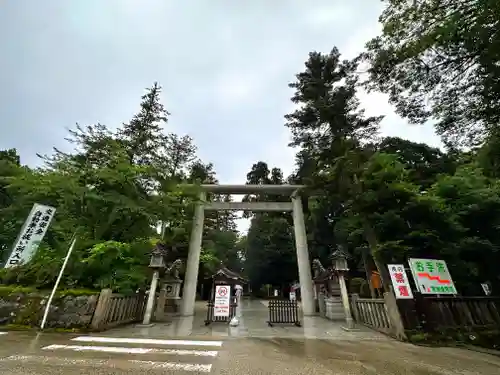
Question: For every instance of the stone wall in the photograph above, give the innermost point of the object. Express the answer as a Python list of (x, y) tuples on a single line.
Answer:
[(25, 307)]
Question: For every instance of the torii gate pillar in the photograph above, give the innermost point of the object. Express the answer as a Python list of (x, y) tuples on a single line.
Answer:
[(295, 206), (305, 278)]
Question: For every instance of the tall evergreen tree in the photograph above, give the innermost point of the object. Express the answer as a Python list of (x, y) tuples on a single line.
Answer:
[(329, 112), (330, 128), (179, 153), (144, 135)]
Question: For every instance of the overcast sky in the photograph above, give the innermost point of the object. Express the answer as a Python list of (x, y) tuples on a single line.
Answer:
[(224, 66)]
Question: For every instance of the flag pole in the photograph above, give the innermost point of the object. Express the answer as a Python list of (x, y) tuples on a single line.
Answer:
[(59, 277)]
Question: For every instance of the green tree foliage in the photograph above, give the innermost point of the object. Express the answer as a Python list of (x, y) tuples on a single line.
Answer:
[(329, 128), (269, 248), (438, 59), (394, 197), (116, 189), (270, 253), (9, 168), (425, 163), (383, 198)]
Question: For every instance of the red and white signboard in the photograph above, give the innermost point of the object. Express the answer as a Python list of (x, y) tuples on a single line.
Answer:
[(400, 282), (222, 300)]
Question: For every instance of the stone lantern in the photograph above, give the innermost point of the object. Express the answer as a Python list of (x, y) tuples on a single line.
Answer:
[(156, 263), (157, 260), (339, 262), (339, 259), (168, 300)]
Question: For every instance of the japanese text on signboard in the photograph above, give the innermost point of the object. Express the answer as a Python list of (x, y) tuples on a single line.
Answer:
[(222, 300), (400, 281), (31, 235), (432, 276)]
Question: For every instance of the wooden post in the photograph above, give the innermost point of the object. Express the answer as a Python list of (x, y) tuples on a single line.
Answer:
[(101, 309), (139, 313), (355, 311), (365, 256)]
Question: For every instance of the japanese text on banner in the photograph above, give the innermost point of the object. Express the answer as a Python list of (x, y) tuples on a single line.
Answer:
[(31, 235), (400, 282)]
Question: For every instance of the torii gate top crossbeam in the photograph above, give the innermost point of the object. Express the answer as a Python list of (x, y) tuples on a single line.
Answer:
[(249, 189)]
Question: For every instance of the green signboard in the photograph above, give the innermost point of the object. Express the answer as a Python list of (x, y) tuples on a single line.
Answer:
[(432, 276)]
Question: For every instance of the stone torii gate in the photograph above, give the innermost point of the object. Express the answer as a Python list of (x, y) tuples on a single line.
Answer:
[(295, 206)]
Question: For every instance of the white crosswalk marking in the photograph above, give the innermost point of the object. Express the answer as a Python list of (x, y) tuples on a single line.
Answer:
[(143, 365), (123, 353), (114, 349), (121, 340)]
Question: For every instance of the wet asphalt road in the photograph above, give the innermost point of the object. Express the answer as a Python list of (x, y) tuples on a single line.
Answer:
[(54, 354)]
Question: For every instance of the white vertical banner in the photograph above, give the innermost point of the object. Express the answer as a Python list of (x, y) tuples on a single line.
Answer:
[(31, 235), (402, 288)]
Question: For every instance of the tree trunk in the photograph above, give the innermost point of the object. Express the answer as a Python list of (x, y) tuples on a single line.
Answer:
[(364, 254), (371, 238)]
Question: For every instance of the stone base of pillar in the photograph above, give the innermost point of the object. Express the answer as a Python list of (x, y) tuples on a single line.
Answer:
[(160, 306), (172, 300), (334, 308), (168, 300), (172, 306)]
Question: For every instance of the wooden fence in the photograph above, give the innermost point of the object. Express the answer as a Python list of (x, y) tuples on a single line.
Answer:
[(283, 312), (427, 314), (372, 313), (436, 314), (380, 314), (224, 319), (116, 309)]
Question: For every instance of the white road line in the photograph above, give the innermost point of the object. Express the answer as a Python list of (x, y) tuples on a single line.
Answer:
[(116, 349), (150, 365), (3, 333), (123, 340)]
